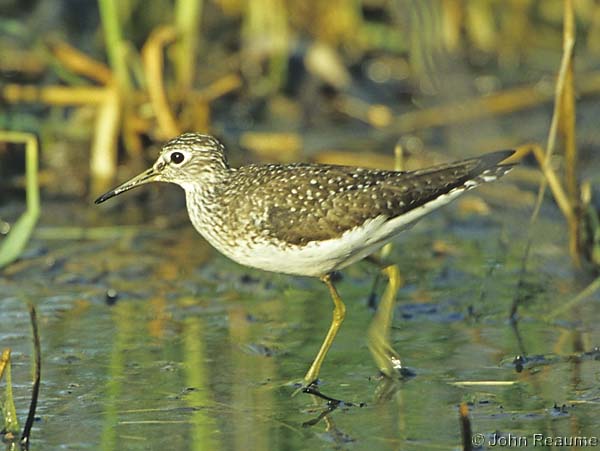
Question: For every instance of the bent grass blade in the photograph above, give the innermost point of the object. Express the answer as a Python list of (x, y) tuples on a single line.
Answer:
[(13, 245)]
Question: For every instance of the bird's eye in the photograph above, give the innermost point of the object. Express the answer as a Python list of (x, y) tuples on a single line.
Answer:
[(177, 157)]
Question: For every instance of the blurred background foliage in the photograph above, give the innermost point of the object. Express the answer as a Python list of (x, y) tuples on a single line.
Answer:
[(339, 81)]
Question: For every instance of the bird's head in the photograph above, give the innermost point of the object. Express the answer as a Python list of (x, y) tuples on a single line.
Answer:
[(187, 160)]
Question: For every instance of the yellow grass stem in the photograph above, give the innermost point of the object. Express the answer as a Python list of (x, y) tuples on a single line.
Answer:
[(187, 24), (567, 101), (80, 63), (103, 154), (53, 95), (115, 45), (584, 294), (11, 422), (477, 108), (152, 56)]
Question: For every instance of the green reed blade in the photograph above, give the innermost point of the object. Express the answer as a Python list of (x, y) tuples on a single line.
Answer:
[(13, 245)]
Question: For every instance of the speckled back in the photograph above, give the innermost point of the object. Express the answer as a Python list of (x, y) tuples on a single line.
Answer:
[(299, 203)]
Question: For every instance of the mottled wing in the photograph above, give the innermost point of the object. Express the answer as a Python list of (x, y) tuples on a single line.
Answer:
[(302, 203)]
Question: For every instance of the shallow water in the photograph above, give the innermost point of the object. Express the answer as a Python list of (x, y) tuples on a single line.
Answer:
[(150, 340)]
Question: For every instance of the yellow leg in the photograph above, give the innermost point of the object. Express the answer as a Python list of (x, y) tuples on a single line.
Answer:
[(339, 311), (387, 360)]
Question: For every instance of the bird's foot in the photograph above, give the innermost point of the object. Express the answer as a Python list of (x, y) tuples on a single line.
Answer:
[(395, 369), (386, 358), (303, 387), (397, 373), (390, 379), (312, 388)]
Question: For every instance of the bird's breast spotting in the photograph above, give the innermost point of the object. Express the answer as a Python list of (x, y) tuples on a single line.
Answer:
[(250, 247)]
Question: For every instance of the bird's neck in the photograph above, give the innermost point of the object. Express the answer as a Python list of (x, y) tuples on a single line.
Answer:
[(207, 185), (203, 195), (205, 208)]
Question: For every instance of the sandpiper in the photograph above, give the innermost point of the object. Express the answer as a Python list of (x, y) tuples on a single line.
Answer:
[(305, 219)]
